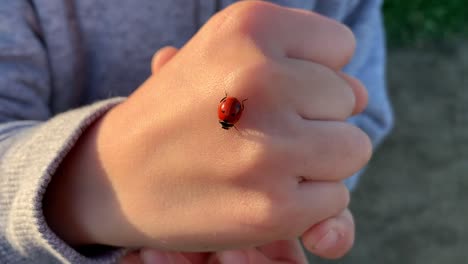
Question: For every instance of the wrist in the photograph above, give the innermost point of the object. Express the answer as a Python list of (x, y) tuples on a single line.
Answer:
[(78, 193)]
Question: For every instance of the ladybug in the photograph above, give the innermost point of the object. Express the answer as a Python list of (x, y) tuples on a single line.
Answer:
[(230, 111)]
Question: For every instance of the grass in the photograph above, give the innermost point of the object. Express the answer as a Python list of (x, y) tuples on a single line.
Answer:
[(415, 22)]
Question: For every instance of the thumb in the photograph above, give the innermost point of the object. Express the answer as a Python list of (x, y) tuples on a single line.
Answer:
[(331, 238), (161, 57)]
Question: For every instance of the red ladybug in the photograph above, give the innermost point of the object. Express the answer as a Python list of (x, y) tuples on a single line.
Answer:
[(229, 111)]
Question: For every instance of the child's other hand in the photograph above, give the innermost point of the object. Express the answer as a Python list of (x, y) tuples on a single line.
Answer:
[(279, 252), (158, 171), (285, 252)]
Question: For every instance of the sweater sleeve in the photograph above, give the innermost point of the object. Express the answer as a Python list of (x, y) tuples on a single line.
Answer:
[(33, 142), (368, 65)]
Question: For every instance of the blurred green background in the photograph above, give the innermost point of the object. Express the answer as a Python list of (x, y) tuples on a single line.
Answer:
[(410, 206), (419, 22)]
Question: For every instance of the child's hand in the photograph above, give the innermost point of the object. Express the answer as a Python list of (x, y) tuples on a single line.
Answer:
[(278, 252), (158, 171), (285, 251)]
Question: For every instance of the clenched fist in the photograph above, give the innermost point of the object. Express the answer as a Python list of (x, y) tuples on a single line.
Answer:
[(158, 171)]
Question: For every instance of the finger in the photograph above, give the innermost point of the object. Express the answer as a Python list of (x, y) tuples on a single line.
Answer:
[(247, 256), (292, 33), (287, 250), (151, 256), (308, 204), (311, 36), (131, 258), (320, 93), (332, 238), (197, 257), (230, 257), (161, 57), (325, 150), (360, 93), (317, 201)]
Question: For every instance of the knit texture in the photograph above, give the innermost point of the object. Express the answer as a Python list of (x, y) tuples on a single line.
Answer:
[(34, 155)]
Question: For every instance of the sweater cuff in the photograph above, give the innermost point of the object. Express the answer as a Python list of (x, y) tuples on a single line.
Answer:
[(38, 158)]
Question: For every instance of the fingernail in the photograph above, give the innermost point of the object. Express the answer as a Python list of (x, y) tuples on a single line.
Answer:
[(232, 257), (329, 240), (152, 257)]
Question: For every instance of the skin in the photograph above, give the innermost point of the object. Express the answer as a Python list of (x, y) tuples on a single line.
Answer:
[(288, 251), (140, 170)]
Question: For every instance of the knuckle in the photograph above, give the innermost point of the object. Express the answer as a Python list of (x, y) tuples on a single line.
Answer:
[(261, 73), (268, 214), (253, 163), (247, 17), (256, 156), (263, 68)]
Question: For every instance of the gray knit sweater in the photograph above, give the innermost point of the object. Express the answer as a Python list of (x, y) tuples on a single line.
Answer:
[(64, 63)]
